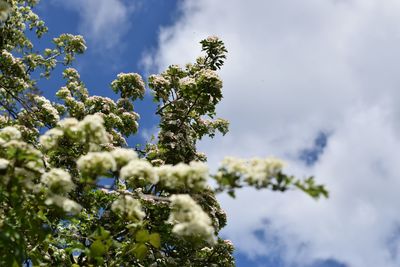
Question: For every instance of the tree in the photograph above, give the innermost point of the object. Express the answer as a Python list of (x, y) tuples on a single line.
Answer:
[(160, 209)]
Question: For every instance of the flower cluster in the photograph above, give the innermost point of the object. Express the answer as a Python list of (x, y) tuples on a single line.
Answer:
[(96, 163), (139, 172), (4, 164), (123, 155), (130, 85), (65, 203), (47, 110), (127, 206), (9, 133), (257, 172), (191, 176), (90, 131), (5, 10), (189, 219), (58, 181)]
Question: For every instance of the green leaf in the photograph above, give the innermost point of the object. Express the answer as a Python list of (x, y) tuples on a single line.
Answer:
[(97, 249), (140, 251), (154, 240), (142, 236)]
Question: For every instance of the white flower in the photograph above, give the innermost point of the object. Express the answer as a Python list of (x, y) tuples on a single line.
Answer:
[(96, 163), (139, 171), (256, 171), (68, 123), (128, 206), (159, 81), (93, 126), (58, 180), (210, 78), (50, 138), (5, 10), (212, 38), (234, 165), (71, 206), (48, 109), (4, 164), (189, 219), (192, 176), (66, 204), (259, 171), (187, 82), (10, 133), (123, 155)]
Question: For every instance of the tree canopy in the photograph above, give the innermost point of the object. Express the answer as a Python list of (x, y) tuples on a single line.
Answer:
[(160, 209)]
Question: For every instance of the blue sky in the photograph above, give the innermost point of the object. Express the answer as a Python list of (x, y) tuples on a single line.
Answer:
[(313, 82)]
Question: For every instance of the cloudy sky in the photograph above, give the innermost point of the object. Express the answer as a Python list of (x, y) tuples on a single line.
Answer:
[(314, 82)]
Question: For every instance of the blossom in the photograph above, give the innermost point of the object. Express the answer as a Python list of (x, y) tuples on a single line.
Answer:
[(209, 79), (189, 219), (4, 164), (259, 171), (212, 39), (192, 176), (5, 10), (123, 155), (50, 138), (96, 163), (68, 123), (93, 127), (128, 206), (47, 108), (10, 133), (66, 204), (256, 171), (187, 82), (139, 171), (158, 81), (129, 85), (58, 180), (233, 165)]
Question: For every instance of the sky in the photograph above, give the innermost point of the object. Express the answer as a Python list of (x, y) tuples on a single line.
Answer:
[(314, 82)]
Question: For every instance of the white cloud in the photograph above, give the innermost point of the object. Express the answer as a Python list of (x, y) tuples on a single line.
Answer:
[(102, 21), (296, 68)]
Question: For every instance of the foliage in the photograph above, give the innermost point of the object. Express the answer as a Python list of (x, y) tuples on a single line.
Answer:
[(160, 209)]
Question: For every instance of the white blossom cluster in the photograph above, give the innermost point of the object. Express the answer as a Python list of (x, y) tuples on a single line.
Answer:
[(4, 164), (211, 78), (13, 150), (9, 133), (187, 82), (159, 81), (193, 176), (7, 57), (93, 126), (189, 219), (213, 38), (139, 172), (130, 85), (65, 203), (5, 10), (123, 155), (47, 109), (96, 163), (256, 171), (88, 131), (127, 206), (58, 181)]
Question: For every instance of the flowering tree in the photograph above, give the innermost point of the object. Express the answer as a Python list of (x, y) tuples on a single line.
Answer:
[(160, 209)]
